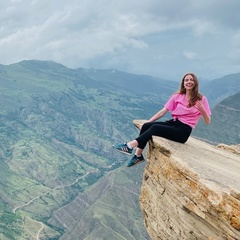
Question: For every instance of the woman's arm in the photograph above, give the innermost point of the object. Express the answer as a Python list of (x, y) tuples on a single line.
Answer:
[(206, 118), (158, 115), (200, 107), (155, 117)]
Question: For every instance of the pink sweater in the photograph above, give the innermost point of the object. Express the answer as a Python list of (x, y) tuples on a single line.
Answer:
[(178, 103)]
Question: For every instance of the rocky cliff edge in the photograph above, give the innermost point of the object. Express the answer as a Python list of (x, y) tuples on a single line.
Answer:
[(191, 191)]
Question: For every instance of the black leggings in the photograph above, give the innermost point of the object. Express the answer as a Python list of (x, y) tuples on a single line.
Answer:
[(172, 129)]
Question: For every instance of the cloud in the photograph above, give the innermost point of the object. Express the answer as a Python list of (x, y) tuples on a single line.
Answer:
[(190, 55), (126, 35)]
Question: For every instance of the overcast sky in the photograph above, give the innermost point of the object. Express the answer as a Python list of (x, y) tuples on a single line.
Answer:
[(160, 38)]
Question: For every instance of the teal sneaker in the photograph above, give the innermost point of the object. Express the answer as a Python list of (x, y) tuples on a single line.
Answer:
[(123, 148), (135, 160)]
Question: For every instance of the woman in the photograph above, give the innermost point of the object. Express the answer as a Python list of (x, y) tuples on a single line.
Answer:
[(186, 106)]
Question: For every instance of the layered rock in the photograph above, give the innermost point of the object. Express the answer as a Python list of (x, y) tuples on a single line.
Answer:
[(191, 190)]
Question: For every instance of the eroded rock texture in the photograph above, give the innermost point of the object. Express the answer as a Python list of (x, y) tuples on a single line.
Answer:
[(191, 190)]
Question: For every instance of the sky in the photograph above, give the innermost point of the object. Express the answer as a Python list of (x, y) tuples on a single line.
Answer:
[(163, 39)]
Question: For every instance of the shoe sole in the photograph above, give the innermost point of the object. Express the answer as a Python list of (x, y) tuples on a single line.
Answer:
[(129, 154), (136, 163)]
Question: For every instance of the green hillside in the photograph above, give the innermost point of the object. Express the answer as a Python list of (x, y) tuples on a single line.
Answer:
[(57, 130)]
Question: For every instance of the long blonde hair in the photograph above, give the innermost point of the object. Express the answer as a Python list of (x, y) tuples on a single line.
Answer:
[(194, 95)]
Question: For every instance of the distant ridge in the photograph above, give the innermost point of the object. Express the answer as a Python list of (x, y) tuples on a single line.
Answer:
[(219, 89)]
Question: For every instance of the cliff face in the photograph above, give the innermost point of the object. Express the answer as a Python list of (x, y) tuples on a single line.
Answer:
[(191, 190)]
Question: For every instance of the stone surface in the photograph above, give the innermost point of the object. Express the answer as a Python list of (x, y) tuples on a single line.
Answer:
[(191, 190)]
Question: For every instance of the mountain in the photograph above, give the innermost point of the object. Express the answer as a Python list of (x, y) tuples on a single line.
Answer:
[(219, 89), (139, 84), (224, 127), (57, 130), (60, 178)]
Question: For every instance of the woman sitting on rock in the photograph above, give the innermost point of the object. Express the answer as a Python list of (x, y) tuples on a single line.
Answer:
[(186, 107)]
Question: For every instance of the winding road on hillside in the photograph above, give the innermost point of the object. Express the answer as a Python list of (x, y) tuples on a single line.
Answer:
[(37, 197), (55, 188), (41, 228)]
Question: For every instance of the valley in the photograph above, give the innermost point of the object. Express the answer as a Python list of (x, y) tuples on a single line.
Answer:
[(60, 177)]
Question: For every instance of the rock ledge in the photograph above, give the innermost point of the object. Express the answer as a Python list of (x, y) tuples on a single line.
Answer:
[(191, 190)]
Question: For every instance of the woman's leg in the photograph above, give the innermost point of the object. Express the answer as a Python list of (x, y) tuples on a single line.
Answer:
[(173, 130), (134, 143), (169, 130), (146, 134), (144, 128)]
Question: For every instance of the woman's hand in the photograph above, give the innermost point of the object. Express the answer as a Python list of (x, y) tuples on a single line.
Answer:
[(200, 107)]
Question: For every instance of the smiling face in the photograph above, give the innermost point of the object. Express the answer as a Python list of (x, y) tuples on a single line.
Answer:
[(189, 86), (188, 82)]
